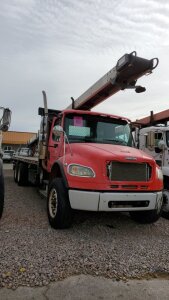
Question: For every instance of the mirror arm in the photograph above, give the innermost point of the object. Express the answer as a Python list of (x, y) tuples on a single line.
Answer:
[(54, 146)]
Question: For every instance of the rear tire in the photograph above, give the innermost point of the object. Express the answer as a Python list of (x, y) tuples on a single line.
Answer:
[(58, 205), (22, 174), (15, 173), (1, 194)]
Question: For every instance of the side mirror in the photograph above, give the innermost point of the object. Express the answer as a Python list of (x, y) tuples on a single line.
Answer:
[(57, 130), (151, 140), (161, 145)]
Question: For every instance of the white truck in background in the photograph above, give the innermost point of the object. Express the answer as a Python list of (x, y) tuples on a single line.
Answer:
[(152, 136), (4, 125)]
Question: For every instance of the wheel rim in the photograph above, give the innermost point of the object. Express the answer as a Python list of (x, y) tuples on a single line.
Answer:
[(53, 203)]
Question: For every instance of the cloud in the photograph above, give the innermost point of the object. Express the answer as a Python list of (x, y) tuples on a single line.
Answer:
[(64, 46)]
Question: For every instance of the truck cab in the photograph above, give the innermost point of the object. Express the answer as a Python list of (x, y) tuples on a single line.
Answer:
[(82, 128), (91, 160), (154, 140)]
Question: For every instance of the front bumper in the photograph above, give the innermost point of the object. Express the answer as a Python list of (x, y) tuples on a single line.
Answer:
[(103, 201)]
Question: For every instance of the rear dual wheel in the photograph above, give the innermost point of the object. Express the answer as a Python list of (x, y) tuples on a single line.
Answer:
[(21, 174), (15, 172)]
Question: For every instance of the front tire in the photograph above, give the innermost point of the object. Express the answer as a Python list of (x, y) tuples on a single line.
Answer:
[(145, 217), (1, 194), (149, 216), (165, 213), (58, 205)]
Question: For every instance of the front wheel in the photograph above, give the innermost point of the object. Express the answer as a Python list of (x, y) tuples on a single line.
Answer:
[(148, 216), (145, 217), (1, 194), (58, 205), (165, 212)]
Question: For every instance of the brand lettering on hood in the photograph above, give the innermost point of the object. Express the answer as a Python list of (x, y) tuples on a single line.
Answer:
[(131, 158)]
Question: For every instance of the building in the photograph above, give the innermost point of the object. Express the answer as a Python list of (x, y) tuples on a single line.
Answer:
[(15, 139)]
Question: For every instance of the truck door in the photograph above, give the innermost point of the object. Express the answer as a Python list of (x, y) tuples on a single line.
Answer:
[(53, 145), (158, 152)]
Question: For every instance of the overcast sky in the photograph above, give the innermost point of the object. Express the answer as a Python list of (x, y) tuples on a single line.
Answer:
[(64, 46)]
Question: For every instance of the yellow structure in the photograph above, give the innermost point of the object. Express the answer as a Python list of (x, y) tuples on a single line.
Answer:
[(15, 139)]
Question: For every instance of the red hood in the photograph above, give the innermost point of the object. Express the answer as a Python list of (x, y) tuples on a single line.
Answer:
[(108, 151)]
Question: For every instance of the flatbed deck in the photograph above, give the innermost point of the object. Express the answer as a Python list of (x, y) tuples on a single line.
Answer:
[(27, 159)]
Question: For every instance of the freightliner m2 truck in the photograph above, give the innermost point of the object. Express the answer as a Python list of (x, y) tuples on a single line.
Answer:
[(85, 160)]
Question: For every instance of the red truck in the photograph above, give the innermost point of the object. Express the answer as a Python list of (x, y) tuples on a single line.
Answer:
[(86, 160)]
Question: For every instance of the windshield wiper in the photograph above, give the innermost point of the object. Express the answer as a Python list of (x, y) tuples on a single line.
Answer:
[(116, 141)]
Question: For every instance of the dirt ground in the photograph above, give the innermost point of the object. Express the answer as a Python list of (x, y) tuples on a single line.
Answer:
[(97, 247)]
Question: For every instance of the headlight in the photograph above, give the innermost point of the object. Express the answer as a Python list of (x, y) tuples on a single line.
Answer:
[(159, 174), (81, 171)]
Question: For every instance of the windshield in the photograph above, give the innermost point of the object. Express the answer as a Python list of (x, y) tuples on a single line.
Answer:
[(97, 129)]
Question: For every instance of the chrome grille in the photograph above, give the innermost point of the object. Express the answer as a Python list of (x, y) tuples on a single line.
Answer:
[(118, 171)]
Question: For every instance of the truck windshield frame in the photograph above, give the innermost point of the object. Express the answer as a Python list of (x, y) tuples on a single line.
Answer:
[(88, 128)]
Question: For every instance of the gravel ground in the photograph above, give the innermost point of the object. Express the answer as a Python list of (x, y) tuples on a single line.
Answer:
[(101, 244)]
